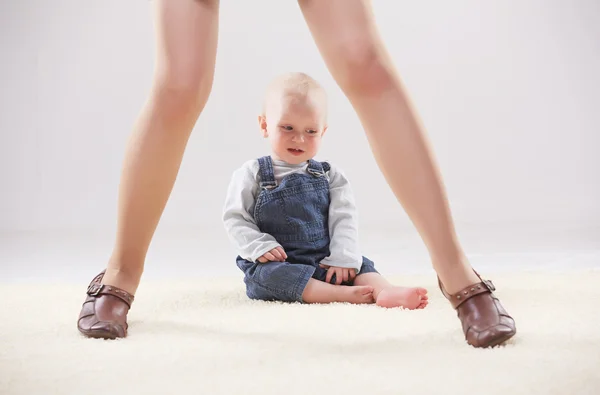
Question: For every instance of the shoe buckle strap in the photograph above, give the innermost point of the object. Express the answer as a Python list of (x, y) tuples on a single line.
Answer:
[(473, 290), (94, 289), (490, 285)]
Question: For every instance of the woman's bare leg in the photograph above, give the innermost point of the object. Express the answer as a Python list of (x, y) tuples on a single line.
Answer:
[(346, 35), (186, 45)]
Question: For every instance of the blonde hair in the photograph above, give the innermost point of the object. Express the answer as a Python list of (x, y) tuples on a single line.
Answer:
[(296, 84)]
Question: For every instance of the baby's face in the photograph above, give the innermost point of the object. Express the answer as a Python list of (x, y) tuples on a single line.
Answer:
[(294, 125)]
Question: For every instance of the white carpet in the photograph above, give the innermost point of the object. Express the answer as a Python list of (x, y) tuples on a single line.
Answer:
[(206, 337)]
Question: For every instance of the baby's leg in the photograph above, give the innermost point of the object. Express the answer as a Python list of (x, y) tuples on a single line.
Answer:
[(388, 295), (289, 282), (280, 281), (317, 291)]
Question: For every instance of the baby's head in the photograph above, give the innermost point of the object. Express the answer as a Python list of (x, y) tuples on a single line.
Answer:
[(294, 117)]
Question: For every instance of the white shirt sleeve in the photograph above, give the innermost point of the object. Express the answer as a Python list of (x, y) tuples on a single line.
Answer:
[(343, 224), (238, 216)]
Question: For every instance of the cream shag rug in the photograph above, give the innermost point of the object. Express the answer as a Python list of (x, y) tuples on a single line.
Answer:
[(206, 337)]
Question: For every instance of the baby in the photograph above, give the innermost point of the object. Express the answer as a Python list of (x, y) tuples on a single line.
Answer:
[(293, 219)]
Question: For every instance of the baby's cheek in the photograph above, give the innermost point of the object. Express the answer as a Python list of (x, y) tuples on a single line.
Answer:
[(275, 140)]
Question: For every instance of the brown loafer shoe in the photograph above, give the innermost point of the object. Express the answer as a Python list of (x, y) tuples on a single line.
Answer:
[(104, 312), (484, 321)]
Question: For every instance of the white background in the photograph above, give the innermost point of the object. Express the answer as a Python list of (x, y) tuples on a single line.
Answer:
[(509, 93)]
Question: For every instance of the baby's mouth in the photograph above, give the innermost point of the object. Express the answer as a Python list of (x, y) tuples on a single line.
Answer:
[(295, 151)]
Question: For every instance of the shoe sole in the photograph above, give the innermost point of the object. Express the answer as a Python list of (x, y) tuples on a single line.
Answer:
[(98, 334), (498, 341)]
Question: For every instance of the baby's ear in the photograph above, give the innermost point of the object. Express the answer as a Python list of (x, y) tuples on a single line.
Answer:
[(262, 124), (324, 130)]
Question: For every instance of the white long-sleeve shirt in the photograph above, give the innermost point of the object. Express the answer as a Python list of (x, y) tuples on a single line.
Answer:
[(252, 243)]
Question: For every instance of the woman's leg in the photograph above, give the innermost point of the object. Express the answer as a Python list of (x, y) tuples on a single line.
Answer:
[(346, 35), (347, 38), (186, 44)]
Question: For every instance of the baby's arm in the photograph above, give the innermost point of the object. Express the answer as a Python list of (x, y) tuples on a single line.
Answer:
[(238, 219), (343, 224)]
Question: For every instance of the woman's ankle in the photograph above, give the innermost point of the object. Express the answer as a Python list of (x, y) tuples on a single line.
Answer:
[(455, 274), (126, 278), (458, 278)]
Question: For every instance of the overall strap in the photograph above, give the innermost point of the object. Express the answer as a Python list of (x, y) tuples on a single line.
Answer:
[(267, 176), (317, 169)]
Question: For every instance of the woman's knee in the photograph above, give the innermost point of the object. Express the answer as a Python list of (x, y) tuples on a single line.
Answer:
[(361, 67), (184, 91)]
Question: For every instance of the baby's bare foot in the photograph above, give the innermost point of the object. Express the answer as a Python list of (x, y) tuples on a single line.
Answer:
[(356, 294), (409, 298)]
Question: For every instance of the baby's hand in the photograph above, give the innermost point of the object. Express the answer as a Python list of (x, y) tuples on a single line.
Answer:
[(275, 255), (342, 274)]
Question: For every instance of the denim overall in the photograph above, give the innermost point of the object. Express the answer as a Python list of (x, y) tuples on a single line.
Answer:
[(296, 214)]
